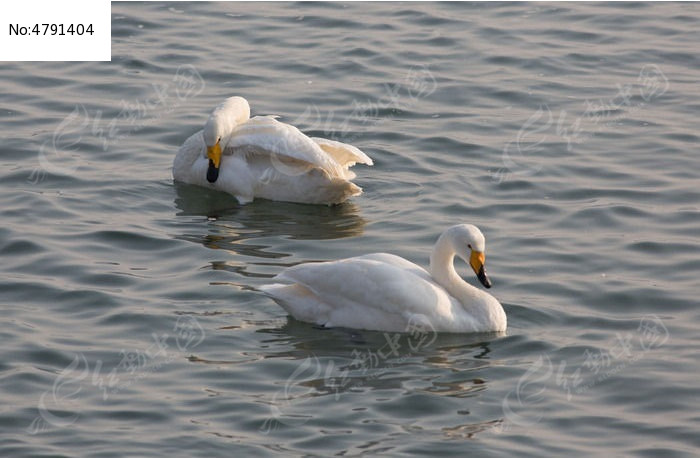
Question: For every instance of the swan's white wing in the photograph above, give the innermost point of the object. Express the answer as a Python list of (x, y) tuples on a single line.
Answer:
[(399, 262), (344, 154), (267, 136), (361, 293)]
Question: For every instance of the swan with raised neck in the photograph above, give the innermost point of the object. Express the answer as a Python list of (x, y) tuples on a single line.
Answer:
[(468, 243), (384, 292)]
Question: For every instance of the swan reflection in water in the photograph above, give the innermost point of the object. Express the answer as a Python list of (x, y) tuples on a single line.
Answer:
[(337, 361), (232, 227)]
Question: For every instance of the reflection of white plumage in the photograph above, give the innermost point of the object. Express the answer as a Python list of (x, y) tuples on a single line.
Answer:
[(262, 157), (385, 292)]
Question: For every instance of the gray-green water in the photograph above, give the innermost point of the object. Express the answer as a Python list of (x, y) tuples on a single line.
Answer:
[(567, 132)]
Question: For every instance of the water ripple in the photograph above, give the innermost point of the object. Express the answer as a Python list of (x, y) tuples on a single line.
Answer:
[(131, 317)]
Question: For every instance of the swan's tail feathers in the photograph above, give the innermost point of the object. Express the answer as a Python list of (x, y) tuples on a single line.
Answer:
[(273, 290), (299, 301), (344, 154), (354, 190), (333, 190), (341, 190)]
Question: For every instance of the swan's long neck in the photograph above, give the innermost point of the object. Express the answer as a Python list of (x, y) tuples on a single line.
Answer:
[(443, 271), (483, 310)]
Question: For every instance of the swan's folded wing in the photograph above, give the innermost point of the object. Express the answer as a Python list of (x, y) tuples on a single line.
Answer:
[(366, 284), (267, 136), (344, 154), (399, 262)]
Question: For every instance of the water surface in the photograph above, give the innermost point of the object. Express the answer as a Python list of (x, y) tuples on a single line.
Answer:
[(131, 323)]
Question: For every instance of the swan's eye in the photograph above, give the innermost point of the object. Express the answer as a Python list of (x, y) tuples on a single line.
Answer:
[(469, 245)]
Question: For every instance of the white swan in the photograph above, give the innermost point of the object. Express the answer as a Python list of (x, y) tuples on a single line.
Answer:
[(385, 292), (262, 157)]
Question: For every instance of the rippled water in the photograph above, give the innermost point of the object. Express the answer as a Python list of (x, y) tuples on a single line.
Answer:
[(568, 132)]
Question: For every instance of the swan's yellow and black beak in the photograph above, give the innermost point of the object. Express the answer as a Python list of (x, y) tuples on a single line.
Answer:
[(214, 155), (477, 260)]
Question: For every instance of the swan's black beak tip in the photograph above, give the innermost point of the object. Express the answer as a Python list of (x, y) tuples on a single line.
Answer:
[(483, 278), (212, 172)]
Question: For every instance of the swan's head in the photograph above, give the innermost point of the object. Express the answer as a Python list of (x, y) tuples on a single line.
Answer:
[(221, 123), (469, 244)]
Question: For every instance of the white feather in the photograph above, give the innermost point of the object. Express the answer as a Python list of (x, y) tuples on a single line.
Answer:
[(262, 157), (385, 292)]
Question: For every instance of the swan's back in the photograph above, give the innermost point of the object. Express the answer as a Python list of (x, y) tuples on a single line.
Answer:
[(273, 138), (376, 292)]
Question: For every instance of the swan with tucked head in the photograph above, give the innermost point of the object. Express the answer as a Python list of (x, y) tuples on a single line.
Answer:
[(384, 292), (262, 157), (221, 123)]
